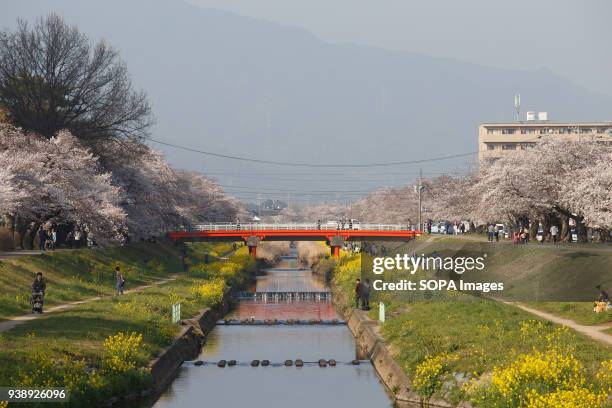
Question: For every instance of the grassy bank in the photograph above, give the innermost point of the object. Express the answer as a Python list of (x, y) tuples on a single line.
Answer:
[(463, 348), (550, 278), (102, 349), (79, 274)]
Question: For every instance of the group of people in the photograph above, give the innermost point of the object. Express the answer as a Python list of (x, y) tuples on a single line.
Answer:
[(362, 294), (39, 287), (492, 233), (459, 228), (74, 238), (47, 238), (602, 304)]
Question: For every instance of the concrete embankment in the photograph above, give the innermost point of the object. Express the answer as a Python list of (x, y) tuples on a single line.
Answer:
[(371, 345), (186, 346)]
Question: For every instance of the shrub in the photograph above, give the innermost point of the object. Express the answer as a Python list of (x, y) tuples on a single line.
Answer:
[(121, 352), (604, 376), (430, 375), (209, 293), (576, 398)]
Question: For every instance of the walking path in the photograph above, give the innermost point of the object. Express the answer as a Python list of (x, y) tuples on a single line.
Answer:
[(16, 321), (28, 252), (595, 332)]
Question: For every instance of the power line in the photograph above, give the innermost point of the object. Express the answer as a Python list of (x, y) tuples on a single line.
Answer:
[(254, 189), (347, 179), (292, 164), (340, 173)]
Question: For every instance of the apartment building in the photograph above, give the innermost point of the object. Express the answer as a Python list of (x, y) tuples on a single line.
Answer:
[(497, 139)]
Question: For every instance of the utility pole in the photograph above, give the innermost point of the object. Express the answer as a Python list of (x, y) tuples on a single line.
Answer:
[(419, 189), (14, 229), (259, 205)]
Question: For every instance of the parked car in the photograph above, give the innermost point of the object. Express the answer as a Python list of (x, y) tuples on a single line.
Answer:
[(502, 231)]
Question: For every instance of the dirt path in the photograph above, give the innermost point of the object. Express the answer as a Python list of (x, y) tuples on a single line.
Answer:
[(17, 320), (28, 252), (595, 332)]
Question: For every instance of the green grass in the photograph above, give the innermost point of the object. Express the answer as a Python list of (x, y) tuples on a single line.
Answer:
[(79, 274), (48, 349)]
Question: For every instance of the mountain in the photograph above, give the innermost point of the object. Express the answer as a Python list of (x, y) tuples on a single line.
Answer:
[(241, 86)]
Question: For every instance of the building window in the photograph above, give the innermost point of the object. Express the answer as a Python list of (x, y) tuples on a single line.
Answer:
[(490, 146), (508, 131), (491, 131), (509, 147)]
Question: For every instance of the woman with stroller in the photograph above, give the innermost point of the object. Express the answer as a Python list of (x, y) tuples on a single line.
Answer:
[(38, 293)]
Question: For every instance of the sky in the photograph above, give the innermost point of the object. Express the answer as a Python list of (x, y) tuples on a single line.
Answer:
[(569, 37), (276, 92)]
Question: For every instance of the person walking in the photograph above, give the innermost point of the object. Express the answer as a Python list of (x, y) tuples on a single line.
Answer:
[(554, 231), (70, 239), (120, 280), (42, 238), (53, 238), (491, 232), (365, 295), (358, 288), (77, 238)]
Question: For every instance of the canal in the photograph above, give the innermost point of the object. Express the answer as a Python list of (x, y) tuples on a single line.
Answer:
[(277, 385)]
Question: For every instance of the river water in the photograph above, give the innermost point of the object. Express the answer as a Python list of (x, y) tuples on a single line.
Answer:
[(345, 385)]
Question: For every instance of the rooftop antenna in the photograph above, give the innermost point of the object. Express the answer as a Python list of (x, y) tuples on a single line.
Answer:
[(517, 106)]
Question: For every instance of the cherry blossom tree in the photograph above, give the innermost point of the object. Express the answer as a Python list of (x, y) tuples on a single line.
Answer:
[(57, 179), (589, 192), (545, 182)]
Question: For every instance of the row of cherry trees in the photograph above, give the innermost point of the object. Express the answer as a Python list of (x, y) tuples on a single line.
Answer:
[(130, 191), (551, 183)]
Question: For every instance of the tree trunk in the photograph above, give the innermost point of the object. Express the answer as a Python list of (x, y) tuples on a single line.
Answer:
[(29, 235), (565, 228), (533, 229), (581, 229)]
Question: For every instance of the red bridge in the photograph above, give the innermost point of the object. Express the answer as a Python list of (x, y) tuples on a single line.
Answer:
[(252, 234)]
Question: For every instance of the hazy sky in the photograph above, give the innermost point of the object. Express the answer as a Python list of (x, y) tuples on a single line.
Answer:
[(569, 37)]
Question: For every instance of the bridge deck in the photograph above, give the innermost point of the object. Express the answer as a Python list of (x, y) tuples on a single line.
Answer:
[(298, 232)]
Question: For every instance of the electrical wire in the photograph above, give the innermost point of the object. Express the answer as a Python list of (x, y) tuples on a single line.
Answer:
[(297, 164)]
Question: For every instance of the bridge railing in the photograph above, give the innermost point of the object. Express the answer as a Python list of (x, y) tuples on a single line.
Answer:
[(300, 227)]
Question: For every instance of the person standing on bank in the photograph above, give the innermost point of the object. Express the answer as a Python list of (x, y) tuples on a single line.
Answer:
[(365, 295), (42, 238), (358, 288), (120, 281), (77, 238), (554, 231)]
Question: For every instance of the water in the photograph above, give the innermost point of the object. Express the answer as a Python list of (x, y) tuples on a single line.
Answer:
[(278, 386)]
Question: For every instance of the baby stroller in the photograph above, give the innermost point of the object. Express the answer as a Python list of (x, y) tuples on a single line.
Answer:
[(37, 301)]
